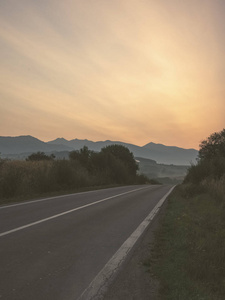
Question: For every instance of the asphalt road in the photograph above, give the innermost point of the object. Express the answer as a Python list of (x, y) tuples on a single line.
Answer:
[(53, 248)]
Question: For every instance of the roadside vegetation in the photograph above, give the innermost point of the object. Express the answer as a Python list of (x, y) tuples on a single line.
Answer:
[(41, 174), (189, 251)]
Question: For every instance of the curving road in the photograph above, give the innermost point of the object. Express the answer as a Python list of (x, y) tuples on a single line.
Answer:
[(53, 248)]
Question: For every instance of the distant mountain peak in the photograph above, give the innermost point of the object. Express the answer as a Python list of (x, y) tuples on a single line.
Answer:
[(157, 152), (60, 140), (152, 145)]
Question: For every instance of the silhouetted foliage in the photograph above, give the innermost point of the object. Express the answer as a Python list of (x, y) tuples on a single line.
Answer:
[(82, 156), (113, 164), (209, 172), (123, 154), (40, 156), (213, 146), (40, 173)]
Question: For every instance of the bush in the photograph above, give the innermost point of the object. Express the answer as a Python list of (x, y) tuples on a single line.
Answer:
[(215, 187), (143, 179), (124, 155), (210, 169), (39, 156), (42, 174), (213, 146)]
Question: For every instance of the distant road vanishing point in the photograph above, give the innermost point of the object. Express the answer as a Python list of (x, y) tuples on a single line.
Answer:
[(54, 248)]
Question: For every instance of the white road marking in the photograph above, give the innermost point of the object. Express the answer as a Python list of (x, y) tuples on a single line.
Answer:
[(67, 212), (45, 199), (98, 287)]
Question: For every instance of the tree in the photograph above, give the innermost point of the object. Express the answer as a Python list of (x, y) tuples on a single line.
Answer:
[(213, 146), (82, 156), (123, 154), (211, 162), (40, 156)]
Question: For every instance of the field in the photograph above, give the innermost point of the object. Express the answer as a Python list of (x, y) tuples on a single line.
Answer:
[(189, 252)]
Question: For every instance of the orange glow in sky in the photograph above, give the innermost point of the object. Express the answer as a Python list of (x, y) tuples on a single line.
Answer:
[(134, 71)]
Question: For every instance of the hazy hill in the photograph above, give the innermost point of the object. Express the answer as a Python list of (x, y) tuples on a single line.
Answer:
[(175, 154), (17, 146), (158, 152), (162, 172), (27, 144)]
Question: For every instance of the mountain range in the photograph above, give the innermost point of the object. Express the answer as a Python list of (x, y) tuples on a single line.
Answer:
[(15, 147)]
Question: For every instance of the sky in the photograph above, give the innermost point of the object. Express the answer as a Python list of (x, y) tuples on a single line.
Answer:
[(136, 71)]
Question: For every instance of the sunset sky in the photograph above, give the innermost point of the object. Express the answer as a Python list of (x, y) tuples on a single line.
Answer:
[(126, 70)]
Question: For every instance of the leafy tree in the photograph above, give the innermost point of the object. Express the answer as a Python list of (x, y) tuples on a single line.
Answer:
[(82, 156), (40, 156), (211, 163), (213, 146), (123, 154)]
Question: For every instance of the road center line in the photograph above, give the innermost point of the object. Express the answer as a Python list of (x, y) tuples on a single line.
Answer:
[(67, 212), (45, 199)]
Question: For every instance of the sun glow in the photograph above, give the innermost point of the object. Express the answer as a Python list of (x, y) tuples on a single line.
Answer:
[(136, 71)]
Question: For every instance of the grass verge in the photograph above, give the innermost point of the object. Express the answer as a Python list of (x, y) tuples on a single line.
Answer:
[(188, 257)]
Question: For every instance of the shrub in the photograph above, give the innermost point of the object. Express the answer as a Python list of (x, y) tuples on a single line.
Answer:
[(40, 156), (211, 163), (215, 187), (213, 146), (40, 173)]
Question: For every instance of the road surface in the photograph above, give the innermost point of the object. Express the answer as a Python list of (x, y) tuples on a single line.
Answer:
[(53, 248)]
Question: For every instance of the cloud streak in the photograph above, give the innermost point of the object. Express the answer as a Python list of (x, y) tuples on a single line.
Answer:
[(136, 71)]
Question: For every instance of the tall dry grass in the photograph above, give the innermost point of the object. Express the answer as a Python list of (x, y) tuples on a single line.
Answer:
[(208, 176), (215, 187), (30, 178), (19, 179)]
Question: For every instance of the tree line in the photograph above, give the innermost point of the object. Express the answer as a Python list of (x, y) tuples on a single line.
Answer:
[(41, 173)]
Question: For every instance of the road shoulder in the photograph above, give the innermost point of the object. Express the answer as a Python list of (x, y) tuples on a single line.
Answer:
[(134, 281)]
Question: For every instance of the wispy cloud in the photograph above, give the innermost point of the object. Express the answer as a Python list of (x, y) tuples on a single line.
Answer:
[(127, 70)]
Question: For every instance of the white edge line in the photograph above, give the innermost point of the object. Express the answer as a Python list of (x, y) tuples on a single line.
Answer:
[(66, 212), (99, 285)]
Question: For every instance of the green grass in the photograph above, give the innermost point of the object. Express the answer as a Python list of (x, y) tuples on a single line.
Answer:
[(188, 257)]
